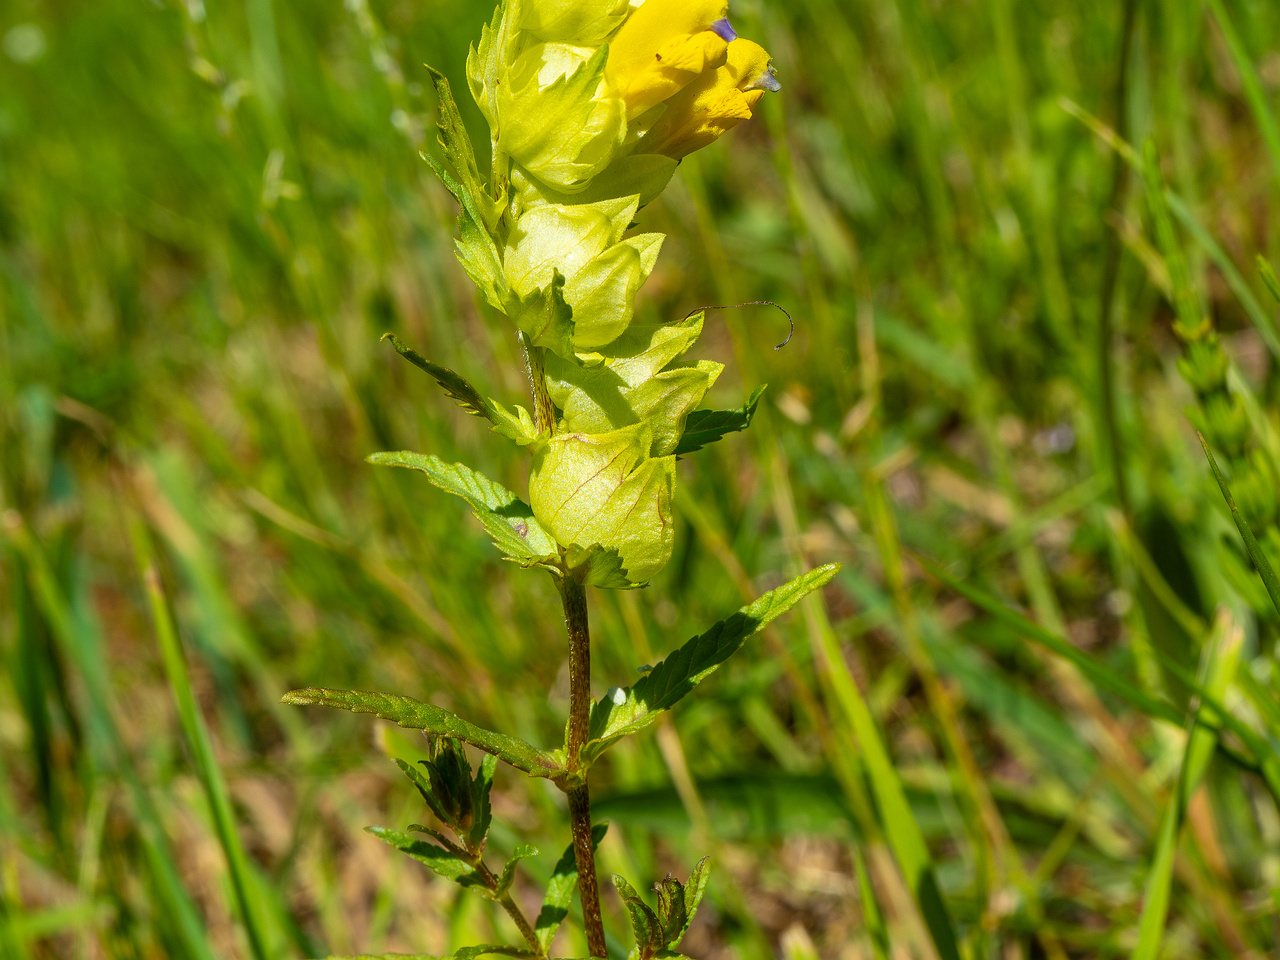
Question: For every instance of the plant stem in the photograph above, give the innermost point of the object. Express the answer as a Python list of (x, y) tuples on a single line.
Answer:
[(544, 413), (574, 596), (521, 922), (505, 901)]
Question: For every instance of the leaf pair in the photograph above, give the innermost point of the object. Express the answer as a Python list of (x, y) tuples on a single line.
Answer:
[(620, 712), (660, 932)]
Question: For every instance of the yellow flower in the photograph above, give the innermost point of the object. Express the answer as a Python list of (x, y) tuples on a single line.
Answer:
[(713, 103), (665, 45)]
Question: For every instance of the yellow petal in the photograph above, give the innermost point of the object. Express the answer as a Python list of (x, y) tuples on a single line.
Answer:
[(663, 46), (713, 103)]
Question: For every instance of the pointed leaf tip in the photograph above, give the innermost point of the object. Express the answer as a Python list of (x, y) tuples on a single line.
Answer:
[(628, 711)]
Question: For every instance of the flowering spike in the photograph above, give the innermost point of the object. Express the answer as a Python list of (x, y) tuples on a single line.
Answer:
[(590, 105)]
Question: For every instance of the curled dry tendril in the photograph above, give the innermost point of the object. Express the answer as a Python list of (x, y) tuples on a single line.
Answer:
[(752, 303)]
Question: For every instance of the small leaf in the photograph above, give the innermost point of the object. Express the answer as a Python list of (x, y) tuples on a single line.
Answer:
[(543, 315), (516, 425), (627, 711), (644, 922), (475, 248), (455, 386), (423, 784), (506, 518), (417, 715), (708, 426), (481, 787), (564, 879), (435, 835), (456, 144), (693, 891), (449, 772), (671, 910), (439, 860), (508, 874)]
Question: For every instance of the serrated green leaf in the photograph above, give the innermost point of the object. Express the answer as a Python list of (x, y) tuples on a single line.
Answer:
[(416, 715), (508, 875), (564, 880), (419, 780), (601, 567), (693, 891), (671, 910), (644, 922), (516, 425), (708, 426), (437, 859), (456, 144), (474, 245), (623, 712), (481, 788), (454, 385), (432, 833), (506, 518)]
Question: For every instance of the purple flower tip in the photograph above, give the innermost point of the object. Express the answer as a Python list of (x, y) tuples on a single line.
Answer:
[(723, 30)]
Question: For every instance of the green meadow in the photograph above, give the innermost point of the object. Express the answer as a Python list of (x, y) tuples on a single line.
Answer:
[(1036, 715)]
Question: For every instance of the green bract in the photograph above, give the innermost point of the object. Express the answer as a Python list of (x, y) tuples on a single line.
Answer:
[(555, 116), (603, 491), (584, 244), (574, 21)]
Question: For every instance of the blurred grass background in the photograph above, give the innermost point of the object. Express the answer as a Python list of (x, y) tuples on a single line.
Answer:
[(209, 212)]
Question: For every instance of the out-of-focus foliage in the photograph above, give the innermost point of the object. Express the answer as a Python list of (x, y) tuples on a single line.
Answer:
[(210, 213)]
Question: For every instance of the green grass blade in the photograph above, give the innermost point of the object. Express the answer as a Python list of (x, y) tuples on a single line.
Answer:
[(79, 644), (198, 742), (1221, 655), (1260, 561), (1156, 891), (1100, 674), (900, 826), (1262, 320), (1269, 278), (1252, 84)]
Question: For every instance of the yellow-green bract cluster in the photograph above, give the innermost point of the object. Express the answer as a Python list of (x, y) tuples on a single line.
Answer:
[(591, 103)]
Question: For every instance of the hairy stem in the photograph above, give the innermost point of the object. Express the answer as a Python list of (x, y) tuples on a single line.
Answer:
[(522, 923), (544, 414), (575, 619)]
